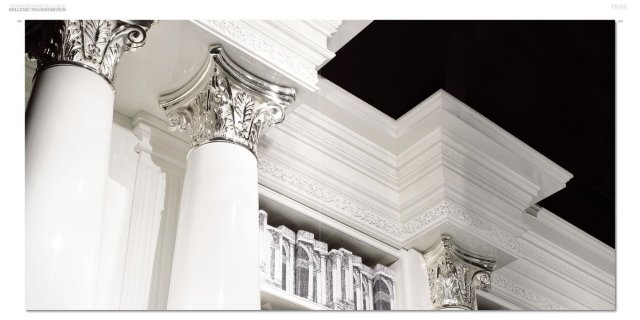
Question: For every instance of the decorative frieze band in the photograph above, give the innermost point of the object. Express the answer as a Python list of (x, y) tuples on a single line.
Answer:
[(310, 188), (547, 258), (230, 104), (449, 209), (532, 298), (94, 44), (251, 40)]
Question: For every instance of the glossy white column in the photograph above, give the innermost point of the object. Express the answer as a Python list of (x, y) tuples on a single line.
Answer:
[(68, 131), (216, 260), (68, 134)]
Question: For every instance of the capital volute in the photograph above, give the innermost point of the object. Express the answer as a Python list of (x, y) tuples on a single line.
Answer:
[(455, 274), (227, 103), (94, 44)]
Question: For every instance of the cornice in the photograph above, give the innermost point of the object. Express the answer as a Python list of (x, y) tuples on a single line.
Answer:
[(368, 157), (557, 286), (357, 108), (586, 242), (551, 257)]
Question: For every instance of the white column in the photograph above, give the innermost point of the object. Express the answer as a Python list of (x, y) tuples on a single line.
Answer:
[(68, 131), (67, 155), (216, 258)]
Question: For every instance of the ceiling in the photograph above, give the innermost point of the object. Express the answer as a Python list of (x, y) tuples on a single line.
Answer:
[(549, 83)]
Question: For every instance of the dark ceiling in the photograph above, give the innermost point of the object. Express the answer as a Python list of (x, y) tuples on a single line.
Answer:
[(549, 83)]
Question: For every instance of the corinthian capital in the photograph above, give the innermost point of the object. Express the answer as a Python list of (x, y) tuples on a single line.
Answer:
[(227, 104), (455, 274), (93, 44)]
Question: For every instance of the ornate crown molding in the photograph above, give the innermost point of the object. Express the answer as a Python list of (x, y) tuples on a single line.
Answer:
[(94, 44), (455, 274), (230, 104), (453, 212), (511, 289), (255, 37), (311, 188), (543, 257)]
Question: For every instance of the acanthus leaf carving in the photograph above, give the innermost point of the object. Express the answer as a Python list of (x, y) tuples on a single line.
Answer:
[(454, 275), (232, 106), (94, 44)]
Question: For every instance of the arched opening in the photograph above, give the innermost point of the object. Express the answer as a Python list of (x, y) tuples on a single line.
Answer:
[(382, 296), (302, 272)]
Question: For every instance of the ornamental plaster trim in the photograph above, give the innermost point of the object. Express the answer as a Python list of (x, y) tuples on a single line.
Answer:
[(545, 258), (252, 40), (312, 189), (456, 213), (522, 293), (308, 187)]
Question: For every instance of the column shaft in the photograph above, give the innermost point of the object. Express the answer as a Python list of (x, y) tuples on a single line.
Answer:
[(68, 132), (216, 260)]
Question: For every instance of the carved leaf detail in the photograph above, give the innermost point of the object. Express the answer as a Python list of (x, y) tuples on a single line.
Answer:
[(96, 36), (96, 44), (235, 111)]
